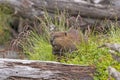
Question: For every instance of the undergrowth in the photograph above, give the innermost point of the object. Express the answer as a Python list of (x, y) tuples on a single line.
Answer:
[(38, 48), (4, 28)]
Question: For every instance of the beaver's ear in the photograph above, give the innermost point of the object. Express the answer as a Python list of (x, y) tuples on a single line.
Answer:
[(65, 33)]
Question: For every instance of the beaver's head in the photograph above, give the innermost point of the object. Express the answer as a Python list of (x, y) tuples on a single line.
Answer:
[(55, 35)]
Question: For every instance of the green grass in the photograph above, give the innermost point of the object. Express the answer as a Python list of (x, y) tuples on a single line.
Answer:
[(38, 48)]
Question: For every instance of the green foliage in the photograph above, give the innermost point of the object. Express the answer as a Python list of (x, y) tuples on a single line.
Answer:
[(4, 36), (4, 29)]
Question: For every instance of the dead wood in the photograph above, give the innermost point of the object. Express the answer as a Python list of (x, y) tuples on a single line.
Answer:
[(12, 69), (31, 8)]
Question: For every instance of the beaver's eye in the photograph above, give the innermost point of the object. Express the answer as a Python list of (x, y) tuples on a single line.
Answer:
[(51, 41)]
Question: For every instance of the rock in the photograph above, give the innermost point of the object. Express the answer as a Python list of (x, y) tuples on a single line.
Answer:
[(114, 73)]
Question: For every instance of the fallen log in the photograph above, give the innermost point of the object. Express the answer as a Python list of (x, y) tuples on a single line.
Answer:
[(91, 13), (31, 8), (43, 70)]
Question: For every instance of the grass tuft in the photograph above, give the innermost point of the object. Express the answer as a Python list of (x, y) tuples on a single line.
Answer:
[(38, 48)]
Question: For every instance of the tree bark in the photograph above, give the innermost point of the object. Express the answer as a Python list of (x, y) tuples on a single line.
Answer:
[(31, 8), (12, 69)]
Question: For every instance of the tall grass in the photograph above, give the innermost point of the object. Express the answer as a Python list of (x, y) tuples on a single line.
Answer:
[(37, 48)]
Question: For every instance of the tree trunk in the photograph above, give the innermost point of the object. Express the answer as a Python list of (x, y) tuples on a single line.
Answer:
[(12, 69), (31, 8)]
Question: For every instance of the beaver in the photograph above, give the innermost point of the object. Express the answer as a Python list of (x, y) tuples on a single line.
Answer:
[(63, 42)]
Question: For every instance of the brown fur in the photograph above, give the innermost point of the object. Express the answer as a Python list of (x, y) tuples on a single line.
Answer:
[(65, 41)]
